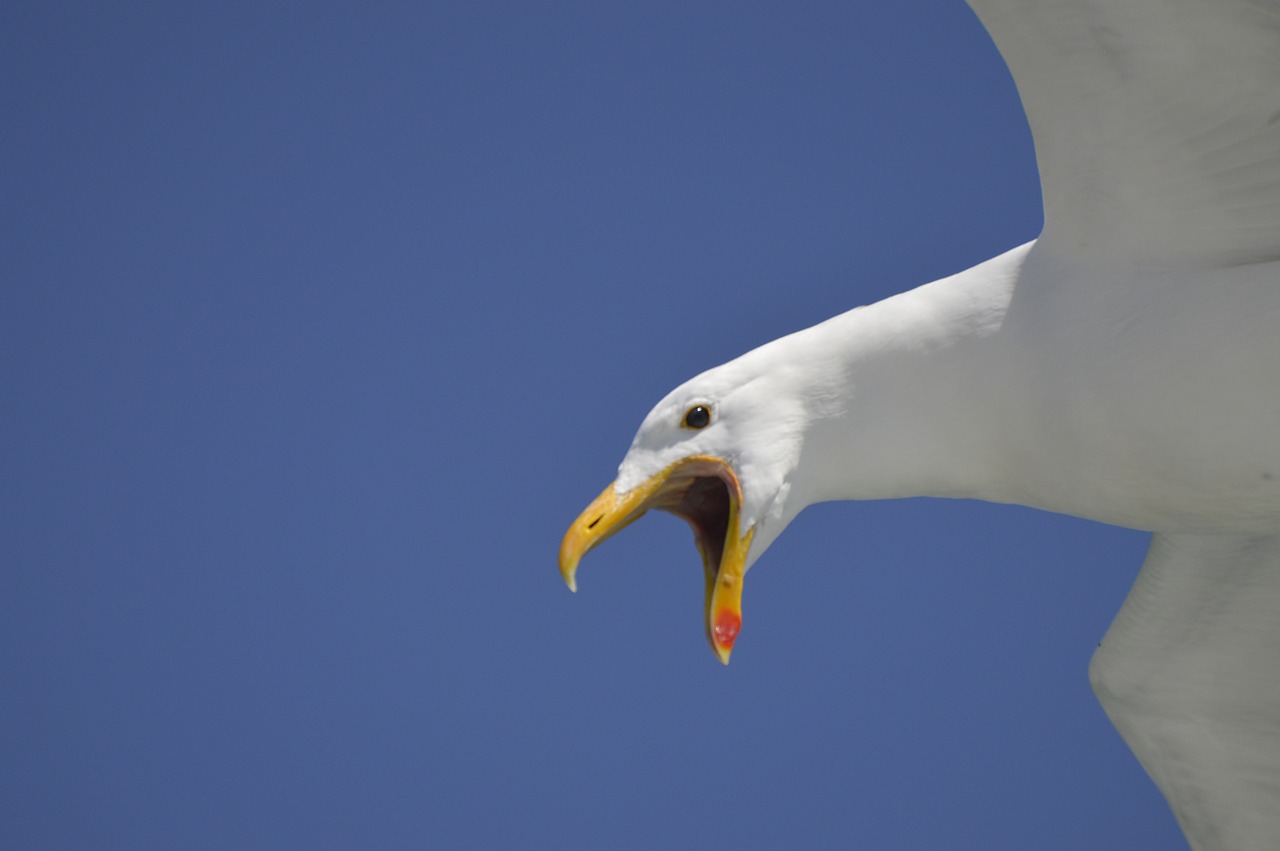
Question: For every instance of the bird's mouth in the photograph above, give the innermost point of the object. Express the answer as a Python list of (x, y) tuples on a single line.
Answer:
[(702, 490)]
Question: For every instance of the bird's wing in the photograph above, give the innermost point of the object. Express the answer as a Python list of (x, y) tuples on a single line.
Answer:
[(1190, 675), (1156, 124)]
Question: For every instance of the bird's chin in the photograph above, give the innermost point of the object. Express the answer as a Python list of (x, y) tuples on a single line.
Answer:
[(705, 492)]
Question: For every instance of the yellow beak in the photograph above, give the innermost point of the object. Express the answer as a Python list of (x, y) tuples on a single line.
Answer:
[(704, 491)]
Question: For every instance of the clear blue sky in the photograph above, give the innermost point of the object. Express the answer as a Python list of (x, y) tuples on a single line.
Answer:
[(319, 323)]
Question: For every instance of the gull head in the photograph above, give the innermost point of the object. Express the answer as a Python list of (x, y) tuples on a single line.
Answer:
[(722, 452)]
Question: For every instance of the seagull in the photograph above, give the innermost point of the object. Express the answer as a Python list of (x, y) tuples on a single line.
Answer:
[(1122, 367)]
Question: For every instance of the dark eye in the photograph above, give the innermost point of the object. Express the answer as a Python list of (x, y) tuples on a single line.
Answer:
[(699, 416)]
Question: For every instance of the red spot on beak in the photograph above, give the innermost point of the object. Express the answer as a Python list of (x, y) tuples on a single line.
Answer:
[(726, 628)]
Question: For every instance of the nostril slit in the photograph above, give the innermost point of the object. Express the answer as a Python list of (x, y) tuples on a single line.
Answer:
[(593, 523)]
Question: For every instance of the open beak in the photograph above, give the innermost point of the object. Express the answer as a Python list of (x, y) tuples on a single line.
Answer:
[(704, 491)]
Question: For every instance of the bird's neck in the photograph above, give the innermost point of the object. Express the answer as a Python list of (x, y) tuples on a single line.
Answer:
[(920, 392)]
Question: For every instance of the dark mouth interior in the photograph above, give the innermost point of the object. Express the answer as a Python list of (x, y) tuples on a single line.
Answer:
[(704, 505)]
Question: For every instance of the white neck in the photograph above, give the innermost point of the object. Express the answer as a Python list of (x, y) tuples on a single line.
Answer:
[(920, 390)]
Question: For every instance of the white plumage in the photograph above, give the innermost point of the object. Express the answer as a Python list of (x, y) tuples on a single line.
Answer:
[(1124, 367)]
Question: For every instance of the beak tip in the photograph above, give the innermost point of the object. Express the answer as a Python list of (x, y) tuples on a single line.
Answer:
[(568, 564), (724, 632)]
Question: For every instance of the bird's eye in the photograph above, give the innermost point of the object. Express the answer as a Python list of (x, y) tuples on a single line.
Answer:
[(699, 416)]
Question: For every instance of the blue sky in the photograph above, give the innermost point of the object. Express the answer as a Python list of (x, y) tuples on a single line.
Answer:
[(319, 324)]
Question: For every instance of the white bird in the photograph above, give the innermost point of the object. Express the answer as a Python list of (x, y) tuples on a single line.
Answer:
[(1123, 367)]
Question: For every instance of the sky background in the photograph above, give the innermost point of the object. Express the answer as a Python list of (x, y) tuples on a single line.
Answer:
[(318, 325)]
